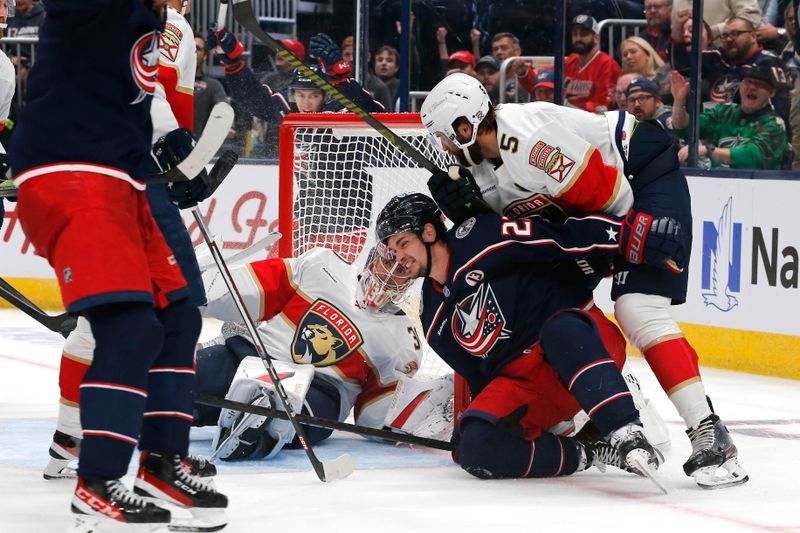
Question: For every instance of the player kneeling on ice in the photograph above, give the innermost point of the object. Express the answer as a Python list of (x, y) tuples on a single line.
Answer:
[(532, 346), (333, 352)]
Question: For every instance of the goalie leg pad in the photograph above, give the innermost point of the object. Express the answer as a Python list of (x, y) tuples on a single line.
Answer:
[(422, 408)]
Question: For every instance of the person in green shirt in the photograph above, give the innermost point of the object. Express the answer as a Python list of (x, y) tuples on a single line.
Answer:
[(747, 135)]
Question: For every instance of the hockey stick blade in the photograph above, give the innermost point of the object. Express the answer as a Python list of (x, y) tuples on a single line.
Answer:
[(239, 257), (640, 463), (62, 324), (244, 15), (339, 468), (214, 134), (314, 421), (220, 170)]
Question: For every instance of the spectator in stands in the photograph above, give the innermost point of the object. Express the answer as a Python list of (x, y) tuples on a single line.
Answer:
[(638, 57), (544, 89), (748, 135), (642, 100), (787, 56), (488, 73), (658, 14), (589, 74), (620, 99), (742, 51), (460, 61), (716, 13), (208, 91), (280, 79), (387, 65), (27, 19), (374, 86), (505, 45)]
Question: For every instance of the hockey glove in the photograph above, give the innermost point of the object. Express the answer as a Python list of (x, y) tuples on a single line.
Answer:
[(329, 56), (655, 241), (456, 193), (170, 150), (232, 49)]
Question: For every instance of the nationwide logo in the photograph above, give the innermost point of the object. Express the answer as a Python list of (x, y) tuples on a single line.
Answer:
[(325, 336), (478, 322), (722, 260)]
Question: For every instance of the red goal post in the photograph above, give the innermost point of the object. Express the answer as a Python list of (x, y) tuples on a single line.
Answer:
[(336, 174)]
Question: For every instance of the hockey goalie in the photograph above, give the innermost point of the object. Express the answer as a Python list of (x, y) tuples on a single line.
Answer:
[(339, 342)]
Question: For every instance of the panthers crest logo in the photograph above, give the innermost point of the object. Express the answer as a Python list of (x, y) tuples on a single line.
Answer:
[(324, 336)]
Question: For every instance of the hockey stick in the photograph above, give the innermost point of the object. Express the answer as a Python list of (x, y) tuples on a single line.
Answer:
[(325, 423), (340, 467), (62, 324), (214, 134), (242, 256)]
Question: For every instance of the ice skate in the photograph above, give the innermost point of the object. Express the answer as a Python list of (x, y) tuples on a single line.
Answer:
[(714, 461), (195, 505), (198, 466), (108, 506), (63, 450), (637, 453)]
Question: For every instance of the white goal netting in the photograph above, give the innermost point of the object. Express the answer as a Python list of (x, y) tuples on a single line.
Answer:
[(340, 173)]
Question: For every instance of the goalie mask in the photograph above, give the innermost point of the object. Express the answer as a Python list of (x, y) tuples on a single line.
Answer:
[(383, 283), (456, 96)]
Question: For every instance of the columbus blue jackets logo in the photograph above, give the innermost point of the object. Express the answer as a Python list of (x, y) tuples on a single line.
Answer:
[(722, 258), (325, 336), (144, 65), (478, 322)]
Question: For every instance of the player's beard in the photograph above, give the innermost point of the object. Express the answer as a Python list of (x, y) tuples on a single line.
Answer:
[(474, 153)]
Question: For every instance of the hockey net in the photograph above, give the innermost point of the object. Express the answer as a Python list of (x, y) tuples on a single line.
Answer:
[(336, 174)]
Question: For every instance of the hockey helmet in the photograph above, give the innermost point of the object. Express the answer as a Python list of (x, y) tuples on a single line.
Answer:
[(458, 95), (408, 212), (301, 81), (383, 283)]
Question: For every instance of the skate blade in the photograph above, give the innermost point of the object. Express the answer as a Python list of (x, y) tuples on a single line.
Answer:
[(638, 461), (65, 472), (729, 474), (99, 524), (197, 519), (339, 468)]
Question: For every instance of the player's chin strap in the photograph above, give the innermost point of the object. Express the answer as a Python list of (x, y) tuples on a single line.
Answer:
[(468, 156)]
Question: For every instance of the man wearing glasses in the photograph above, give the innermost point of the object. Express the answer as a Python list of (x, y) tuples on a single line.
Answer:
[(642, 101), (658, 14), (742, 51)]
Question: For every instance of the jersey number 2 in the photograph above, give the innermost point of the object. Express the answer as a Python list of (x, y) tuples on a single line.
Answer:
[(516, 228)]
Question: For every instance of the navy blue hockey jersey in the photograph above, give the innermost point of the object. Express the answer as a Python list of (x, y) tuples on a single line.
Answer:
[(89, 92), (500, 287)]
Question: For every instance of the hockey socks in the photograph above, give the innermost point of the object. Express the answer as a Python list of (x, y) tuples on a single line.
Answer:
[(488, 452), (675, 364), (573, 347), (168, 410)]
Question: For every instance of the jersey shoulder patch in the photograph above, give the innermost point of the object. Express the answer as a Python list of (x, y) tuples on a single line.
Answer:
[(465, 227), (551, 160)]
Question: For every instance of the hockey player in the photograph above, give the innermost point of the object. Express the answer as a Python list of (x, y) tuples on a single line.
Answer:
[(171, 110), (338, 340), (532, 346), (8, 84), (556, 161), (82, 205)]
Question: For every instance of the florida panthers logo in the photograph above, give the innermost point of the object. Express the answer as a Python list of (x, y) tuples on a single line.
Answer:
[(324, 336), (144, 65), (478, 322)]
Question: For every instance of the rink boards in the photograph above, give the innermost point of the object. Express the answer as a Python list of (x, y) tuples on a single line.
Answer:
[(741, 309)]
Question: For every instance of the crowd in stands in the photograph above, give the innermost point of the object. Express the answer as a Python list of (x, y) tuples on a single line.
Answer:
[(750, 106)]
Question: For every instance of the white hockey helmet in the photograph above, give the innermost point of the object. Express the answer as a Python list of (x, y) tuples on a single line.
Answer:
[(458, 95), (382, 284)]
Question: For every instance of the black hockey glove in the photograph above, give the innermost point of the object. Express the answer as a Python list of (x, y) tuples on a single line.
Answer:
[(232, 49), (456, 193), (170, 150), (327, 53), (655, 241)]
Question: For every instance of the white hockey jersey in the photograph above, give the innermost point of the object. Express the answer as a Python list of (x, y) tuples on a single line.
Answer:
[(558, 157), (8, 84), (311, 318), (173, 102)]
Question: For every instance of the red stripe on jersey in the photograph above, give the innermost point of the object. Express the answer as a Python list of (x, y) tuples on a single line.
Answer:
[(180, 101), (70, 376), (594, 186), (277, 289)]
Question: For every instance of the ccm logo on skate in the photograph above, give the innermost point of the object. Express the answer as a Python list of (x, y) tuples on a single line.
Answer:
[(98, 504)]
